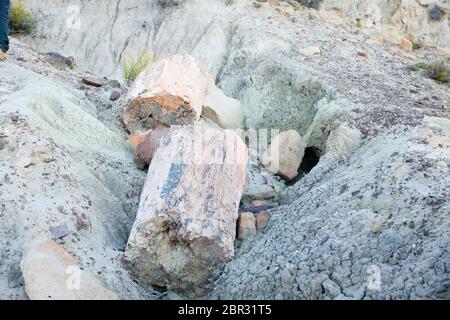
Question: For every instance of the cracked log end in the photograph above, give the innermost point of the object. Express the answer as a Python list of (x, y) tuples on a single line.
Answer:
[(169, 92)]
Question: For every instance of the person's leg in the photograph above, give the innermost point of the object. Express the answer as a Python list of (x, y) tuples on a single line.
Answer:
[(4, 11)]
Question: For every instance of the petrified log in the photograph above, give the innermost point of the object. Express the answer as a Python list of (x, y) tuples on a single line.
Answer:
[(186, 223), (168, 92)]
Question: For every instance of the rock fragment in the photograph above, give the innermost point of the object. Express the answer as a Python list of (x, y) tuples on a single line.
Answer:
[(14, 117), (310, 52), (246, 226), (393, 36), (219, 108), (115, 95), (59, 60), (137, 138), (285, 155), (262, 219), (59, 232), (146, 149), (376, 227), (92, 81), (363, 54), (50, 273), (343, 140), (260, 192)]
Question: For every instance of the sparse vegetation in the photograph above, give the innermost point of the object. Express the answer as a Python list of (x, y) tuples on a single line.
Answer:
[(416, 45), (310, 3), (418, 66), (169, 3), (439, 71), (21, 20), (135, 65), (436, 12)]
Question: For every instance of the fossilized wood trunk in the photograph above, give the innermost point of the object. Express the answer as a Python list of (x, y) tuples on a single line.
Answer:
[(186, 223), (169, 92)]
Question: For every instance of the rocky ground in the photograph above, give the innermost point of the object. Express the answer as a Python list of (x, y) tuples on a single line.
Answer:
[(65, 165), (370, 221)]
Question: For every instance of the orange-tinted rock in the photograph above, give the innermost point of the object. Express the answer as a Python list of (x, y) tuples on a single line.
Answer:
[(246, 227), (262, 219), (168, 92), (147, 148), (115, 95), (136, 139)]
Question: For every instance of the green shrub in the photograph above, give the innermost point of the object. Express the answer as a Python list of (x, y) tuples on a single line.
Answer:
[(310, 3), (439, 71), (21, 20), (135, 65), (436, 12), (418, 66), (169, 3), (416, 45)]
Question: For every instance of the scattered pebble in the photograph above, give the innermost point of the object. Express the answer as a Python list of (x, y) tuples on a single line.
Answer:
[(92, 81), (59, 232)]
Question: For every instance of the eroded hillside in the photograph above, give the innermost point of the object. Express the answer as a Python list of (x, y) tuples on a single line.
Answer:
[(369, 221)]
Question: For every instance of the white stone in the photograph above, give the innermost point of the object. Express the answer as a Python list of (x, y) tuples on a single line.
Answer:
[(343, 140), (50, 273), (310, 51), (285, 155), (224, 111)]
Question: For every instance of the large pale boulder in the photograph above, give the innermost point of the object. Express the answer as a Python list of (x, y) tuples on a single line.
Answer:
[(168, 92), (186, 223), (343, 140), (392, 35), (224, 111), (50, 273), (285, 154)]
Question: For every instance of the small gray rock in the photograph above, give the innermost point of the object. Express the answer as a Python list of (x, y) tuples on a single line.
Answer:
[(59, 232), (92, 81), (115, 95)]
